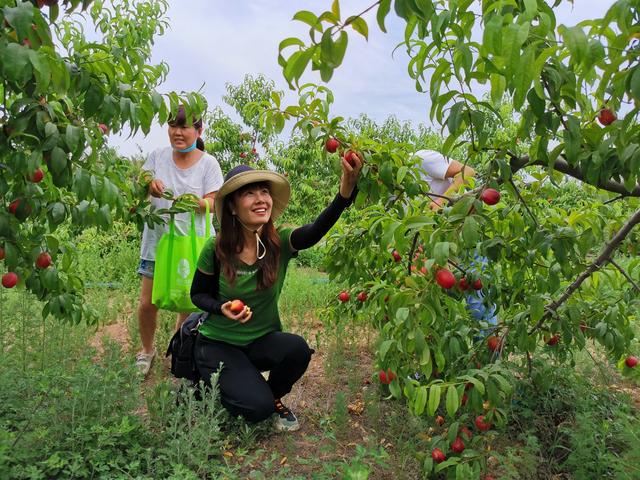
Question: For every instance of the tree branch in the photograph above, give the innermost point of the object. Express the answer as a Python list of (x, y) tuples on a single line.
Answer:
[(624, 274), (604, 256), (354, 17), (535, 220), (413, 248), (562, 166)]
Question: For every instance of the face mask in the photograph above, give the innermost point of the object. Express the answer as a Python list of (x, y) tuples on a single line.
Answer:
[(188, 149)]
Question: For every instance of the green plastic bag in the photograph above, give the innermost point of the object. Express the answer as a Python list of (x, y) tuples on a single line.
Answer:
[(176, 263)]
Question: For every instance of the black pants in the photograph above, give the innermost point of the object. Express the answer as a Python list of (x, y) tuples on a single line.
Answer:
[(243, 390)]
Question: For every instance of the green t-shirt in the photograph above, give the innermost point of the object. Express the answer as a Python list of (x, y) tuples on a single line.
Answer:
[(263, 303)]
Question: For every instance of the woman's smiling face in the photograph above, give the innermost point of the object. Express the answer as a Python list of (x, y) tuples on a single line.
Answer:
[(252, 205)]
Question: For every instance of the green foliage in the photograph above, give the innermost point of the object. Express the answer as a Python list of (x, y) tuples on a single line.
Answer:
[(72, 419), (226, 140), (63, 93), (252, 90), (579, 429), (109, 258), (230, 142)]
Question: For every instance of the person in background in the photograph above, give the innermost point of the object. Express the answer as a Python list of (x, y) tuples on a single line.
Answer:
[(184, 167), (445, 176), (241, 340)]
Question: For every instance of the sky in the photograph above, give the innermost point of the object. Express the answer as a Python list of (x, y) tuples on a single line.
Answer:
[(211, 43)]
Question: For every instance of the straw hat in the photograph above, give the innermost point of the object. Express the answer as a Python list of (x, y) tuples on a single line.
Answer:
[(243, 175)]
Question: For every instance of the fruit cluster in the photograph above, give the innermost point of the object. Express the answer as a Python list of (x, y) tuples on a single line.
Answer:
[(333, 144)]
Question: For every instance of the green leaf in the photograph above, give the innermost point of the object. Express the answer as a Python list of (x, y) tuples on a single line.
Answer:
[(505, 386), (335, 8), (56, 214), (402, 172), (461, 208), (634, 83), (477, 384), (434, 399), (72, 137), (341, 47), (420, 341), (576, 41), (103, 217), (41, 69), (383, 10), (54, 11), (93, 100), (82, 184), (49, 278), (441, 253), (297, 64), (309, 18), (385, 173), (572, 139), (402, 314), (536, 308), (16, 65), (455, 117), (492, 35), (58, 160), (531, 9), (452, 402), (12, 255), (498, 86), (19, 17), (447, 463), (288, 42), (360, 26), (470, 234), (418, 221), (522, 76), (384, 348), (333, 51), (420, 400)]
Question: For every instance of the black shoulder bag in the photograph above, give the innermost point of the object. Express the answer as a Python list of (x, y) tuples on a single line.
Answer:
[(182, 345)]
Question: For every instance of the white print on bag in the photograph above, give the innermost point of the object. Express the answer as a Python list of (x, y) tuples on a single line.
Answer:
[(184, 269)]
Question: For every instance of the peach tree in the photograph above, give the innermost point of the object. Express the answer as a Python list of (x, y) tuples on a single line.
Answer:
[(63, 93), (556, 277)]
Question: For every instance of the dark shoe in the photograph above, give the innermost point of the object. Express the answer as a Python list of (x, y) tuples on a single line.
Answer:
[(286, 421)]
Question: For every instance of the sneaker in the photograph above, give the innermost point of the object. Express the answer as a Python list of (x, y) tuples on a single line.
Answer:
[(286, 421), (144, 361)]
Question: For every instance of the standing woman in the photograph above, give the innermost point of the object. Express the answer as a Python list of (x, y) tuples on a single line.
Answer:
[(182, 168), (252, 255)]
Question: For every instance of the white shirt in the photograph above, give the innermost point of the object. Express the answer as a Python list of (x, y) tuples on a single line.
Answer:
[(435, 166), (204, 176)]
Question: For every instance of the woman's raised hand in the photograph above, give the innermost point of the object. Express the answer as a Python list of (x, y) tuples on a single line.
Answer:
[(350, 174)]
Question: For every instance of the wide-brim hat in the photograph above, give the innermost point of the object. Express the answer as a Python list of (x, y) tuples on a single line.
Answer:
[(243, 175)]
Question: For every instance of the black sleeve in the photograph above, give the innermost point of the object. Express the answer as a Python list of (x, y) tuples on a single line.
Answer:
[(308, 235), (204, 292)]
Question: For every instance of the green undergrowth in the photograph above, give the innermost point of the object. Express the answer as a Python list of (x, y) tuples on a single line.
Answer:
[(564, 425)]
